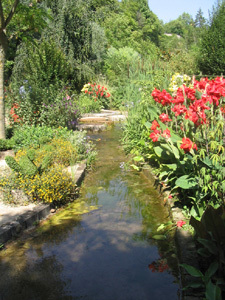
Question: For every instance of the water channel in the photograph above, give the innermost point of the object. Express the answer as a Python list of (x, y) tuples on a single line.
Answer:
[(105, 254)]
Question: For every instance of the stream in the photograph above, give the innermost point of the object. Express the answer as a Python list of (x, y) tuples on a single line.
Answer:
[(108, 253)]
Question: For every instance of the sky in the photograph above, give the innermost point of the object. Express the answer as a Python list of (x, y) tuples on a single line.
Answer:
[(168, 10)]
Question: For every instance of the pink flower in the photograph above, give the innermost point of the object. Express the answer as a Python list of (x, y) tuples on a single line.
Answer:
[(180, 223)]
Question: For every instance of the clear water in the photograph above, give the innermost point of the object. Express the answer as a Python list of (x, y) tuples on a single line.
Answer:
[(106, 254)]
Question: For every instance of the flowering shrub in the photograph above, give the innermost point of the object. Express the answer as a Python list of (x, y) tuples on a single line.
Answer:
[(97, 92), (54, 185), (188, 138)]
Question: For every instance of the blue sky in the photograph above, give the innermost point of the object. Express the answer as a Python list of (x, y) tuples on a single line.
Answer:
[(168, 10)]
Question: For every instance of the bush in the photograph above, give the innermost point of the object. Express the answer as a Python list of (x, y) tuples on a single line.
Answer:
[(35, 136), (6, 145), (88, 105), (117, 63), (53, 185)]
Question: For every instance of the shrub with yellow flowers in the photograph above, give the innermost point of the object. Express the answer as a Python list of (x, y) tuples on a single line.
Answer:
[(53, 185)]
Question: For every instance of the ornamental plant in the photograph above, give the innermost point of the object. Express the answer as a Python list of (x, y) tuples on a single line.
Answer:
[(97, 93), (187, 138)]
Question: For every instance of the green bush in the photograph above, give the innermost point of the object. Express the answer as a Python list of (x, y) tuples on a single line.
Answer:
[(5, 145), (13, 164), (118, 62), (27, 166), (88, 105), (35, 136)]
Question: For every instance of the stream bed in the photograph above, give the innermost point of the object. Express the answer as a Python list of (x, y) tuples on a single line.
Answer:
[(108, 253)]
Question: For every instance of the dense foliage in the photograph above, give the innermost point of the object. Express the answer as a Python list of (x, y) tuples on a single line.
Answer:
[(212, 56)]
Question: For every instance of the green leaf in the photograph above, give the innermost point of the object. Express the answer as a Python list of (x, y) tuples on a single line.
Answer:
[(185, 182), (210, 245), (138, 158), (162, 174), (211, 270), (212, 292), (192, 271), (175, 151), (159, 237), (161, 227), (148, 125), (194, 285), (135, 167), (170, 166), (158, 151)]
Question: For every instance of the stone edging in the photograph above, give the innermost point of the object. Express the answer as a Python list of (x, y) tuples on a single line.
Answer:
[(39, 212)]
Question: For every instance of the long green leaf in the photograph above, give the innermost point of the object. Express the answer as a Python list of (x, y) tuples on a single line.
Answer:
[(213, 292), (192, 271), (211, 270)]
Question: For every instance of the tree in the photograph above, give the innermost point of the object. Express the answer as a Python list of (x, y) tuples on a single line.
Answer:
[(24, 13), (211, 55), (4, 22)]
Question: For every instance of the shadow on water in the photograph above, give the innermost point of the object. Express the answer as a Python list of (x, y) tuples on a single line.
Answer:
[(105, 254)]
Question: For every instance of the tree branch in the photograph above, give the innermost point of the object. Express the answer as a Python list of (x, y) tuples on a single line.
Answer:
[(2, 16), (11, 12)]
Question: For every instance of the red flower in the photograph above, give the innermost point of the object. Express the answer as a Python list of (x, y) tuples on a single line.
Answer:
[(162, 97), (179, 99), (155, 135), (164, 118), (155, 124), (187, 145), (166, 133), (222, 108), (179, 109), (180, 223), (190, 93)]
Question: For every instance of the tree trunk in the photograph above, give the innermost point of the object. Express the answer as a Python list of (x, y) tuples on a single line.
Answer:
[(2, 105)]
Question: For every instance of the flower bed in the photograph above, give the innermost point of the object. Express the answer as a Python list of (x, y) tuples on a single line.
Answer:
[(187, 142)]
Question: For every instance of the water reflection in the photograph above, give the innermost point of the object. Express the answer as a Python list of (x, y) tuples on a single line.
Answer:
[(108, 253)]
